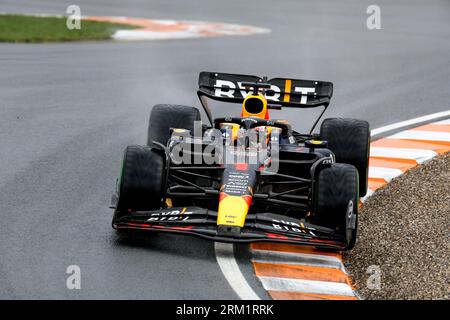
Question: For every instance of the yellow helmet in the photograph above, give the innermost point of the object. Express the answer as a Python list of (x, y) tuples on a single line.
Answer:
[(255, 105)]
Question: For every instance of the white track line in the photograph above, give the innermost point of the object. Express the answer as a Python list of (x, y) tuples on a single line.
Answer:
[(402, 124), (420, 155), (307, 286), (232, 272), (443, 122), (297, 258), (384, 173), (139, 35), (422, 135), (225, 252)]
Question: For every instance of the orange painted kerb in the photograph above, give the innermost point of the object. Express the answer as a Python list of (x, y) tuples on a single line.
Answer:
[(283, 295), (291, 248), (264, 269)]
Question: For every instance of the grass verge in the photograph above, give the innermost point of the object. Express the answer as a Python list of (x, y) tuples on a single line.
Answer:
[(20, 28)]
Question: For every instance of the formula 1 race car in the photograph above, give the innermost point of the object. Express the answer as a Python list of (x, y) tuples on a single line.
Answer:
[(247, 178)]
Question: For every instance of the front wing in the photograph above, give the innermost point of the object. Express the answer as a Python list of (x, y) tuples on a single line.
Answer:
[(258, 227)]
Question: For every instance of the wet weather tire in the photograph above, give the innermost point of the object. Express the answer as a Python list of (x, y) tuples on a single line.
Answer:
[(349, 139), (140, 185), (163, 117), (336, 200)]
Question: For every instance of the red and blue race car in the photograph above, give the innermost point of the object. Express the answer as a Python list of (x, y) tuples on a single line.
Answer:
[(247, 178)]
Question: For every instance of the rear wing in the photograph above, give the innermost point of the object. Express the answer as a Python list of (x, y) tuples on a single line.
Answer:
[(283, 92)]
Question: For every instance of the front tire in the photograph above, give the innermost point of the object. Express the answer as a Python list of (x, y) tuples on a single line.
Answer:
[(140, 185), (336, 200)]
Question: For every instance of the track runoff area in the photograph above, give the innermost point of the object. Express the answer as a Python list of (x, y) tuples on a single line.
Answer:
[(289, 272)]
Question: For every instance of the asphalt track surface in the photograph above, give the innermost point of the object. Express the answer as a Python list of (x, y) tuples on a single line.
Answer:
[(68, 110)]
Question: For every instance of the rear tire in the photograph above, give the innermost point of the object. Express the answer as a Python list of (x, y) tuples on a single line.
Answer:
[(336, 200), (349, 139), (140, 185), (166, 116)]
